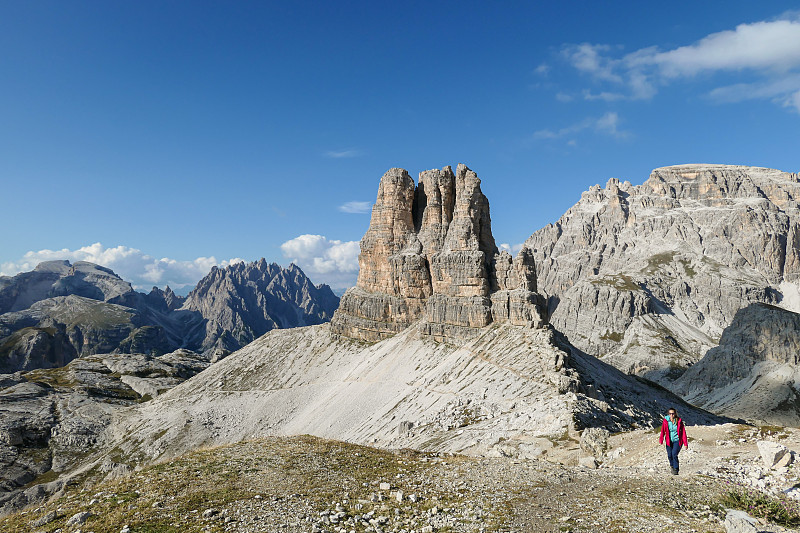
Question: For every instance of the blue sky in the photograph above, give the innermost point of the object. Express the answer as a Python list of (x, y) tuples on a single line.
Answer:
[(160, 138)]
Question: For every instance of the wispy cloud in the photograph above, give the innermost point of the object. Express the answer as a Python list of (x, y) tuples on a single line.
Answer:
[(767, 51), (604, 96), (784, 91), (324, 260), (142, 270), (542, 70), (356, 207), (341, 154), (608, 124)]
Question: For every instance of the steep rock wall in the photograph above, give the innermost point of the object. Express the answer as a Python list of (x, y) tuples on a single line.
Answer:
[(429, 255)]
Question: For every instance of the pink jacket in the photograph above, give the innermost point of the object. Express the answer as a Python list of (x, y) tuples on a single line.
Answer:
[(683, 440)]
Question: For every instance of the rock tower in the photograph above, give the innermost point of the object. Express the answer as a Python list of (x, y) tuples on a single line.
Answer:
[(429, 256)]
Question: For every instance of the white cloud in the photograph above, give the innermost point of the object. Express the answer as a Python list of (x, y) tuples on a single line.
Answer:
[(767, 51), (542, 70), (607, 124), (590, 58), (563, 97), (356, 207), (513, 249), (340, 154), (324, 261), (773, 45), (142, 270)]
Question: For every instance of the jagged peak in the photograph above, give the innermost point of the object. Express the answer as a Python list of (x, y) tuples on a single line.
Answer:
[(429, 252)]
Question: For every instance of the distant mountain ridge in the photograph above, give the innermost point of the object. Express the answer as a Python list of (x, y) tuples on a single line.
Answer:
[(61, 311)]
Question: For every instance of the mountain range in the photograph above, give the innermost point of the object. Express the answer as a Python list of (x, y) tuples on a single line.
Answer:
[(61, 311), (680, 292)]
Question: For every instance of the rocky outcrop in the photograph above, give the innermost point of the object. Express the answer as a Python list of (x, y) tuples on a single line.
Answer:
[(165, 300), (50, 419), (429, 256), (232, 306), (686, 250), (54, 331), (754, 373)]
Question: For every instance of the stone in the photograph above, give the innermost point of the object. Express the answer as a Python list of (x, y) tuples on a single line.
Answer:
[(78, 518), (44, 520), (594, 441), (588, 462), (405, 427), (786, 460), (740, 522), (771, 452), (429, 257), (385, 486)]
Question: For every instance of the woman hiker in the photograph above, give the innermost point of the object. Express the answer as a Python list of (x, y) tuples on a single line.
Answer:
[(673, 430)]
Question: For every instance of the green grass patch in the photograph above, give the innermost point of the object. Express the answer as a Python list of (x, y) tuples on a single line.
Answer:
[(615, 336), (781, 511), (620, 282)]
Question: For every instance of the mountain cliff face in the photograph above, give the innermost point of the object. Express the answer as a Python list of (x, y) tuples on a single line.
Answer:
[(754, 373), (241, 302), (649, 276), (61, 311), (429, 254)]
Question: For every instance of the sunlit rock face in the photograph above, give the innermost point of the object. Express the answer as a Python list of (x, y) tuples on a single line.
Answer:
[(648, 276), (429, 256)]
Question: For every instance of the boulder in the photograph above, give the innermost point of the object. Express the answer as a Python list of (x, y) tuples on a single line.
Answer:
[(772, 452), (595, 441), (740, 522)]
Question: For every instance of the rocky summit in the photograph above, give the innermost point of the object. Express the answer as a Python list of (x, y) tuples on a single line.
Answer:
[(429, 257), (648, 276), (78, 345), (243, 301)]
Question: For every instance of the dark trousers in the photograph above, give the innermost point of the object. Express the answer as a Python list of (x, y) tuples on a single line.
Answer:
[(672, 454)]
